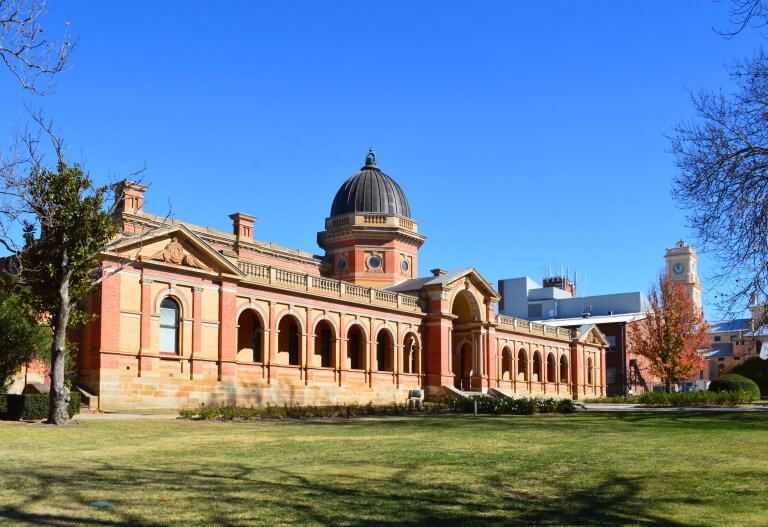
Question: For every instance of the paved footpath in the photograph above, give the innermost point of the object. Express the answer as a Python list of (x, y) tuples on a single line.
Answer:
[(591, 407), (621, 407), (110, 416)]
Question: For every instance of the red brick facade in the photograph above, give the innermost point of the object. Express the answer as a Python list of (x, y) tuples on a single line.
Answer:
[(252, 323)]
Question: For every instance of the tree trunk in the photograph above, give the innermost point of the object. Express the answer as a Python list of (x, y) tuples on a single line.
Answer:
[(58, 413)]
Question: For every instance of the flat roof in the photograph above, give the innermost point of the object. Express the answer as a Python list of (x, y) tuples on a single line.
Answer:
[(601, 319)]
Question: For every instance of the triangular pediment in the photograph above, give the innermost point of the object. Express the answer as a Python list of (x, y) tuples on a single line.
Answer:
[(173, 245), (466, 277), (591, 334)]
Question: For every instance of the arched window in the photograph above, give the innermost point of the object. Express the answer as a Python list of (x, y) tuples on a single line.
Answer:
[(506, 364), (355, 348), (324, 344), (590, 371), (249, 337), (169, 325), (410, 354), (537, 367), (288, 341), (551, 368), (564, 369), (522, 365), (384, 351)]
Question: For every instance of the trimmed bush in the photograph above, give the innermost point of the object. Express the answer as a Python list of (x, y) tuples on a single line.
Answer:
[(756, 369), (504, 405), (32, 406), (626, 399), (697, 399), (485, 405), (733, 383), (229, 413)]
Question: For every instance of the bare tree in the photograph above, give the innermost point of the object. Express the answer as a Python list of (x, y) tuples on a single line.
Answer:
[(30, 54), (742, 12), (722, 156)]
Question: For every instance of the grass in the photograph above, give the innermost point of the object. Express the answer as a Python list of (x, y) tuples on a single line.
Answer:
[(605, 469)]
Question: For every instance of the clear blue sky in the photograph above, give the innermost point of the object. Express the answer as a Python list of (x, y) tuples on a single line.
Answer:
[(524, 134)]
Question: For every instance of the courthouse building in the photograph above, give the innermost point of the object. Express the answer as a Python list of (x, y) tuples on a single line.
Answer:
[(189, 315)]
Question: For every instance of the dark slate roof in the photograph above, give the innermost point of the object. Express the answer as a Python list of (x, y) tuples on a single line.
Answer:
[(415, 284), (726, 326), (370, 190), (719, 349)]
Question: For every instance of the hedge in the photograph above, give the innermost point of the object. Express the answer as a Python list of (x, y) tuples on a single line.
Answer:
[(624, 399), (485, 405), (734, 383), (505, 405), (32, 406), (229, 413), (756, 369), (696, 399)]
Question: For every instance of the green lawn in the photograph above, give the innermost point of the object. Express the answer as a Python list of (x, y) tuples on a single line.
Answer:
[(608, 469)]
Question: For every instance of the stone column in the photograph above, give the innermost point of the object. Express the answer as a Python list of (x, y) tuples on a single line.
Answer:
[(145, 330), (576, 369), (272, 344), (227, 329), (602, 372), (309, 349), (197, 329), (341, 353), (109, 319), (493, 356), (371, 353)]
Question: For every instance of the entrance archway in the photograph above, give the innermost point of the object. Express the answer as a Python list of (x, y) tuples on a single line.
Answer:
[(462, 367), (467, 322)]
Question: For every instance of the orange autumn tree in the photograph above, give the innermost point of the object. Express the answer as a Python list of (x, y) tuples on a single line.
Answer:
[(671, 334)]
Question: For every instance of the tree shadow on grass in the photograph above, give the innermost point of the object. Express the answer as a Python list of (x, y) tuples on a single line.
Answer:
[(692, 419), (236, 494)]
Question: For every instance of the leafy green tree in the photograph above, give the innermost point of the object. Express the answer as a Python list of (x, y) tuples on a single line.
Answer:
[(22, 337), (64, 226), (60, 265)]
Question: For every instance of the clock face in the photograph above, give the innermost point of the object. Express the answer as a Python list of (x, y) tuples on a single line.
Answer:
[(678, 268)]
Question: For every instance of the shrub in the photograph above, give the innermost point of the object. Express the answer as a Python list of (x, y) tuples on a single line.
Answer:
[(627, 399), (504, 405), (229, 413), (696, 399), (734, 383), (485, 405), (32, 406), (756, 369)]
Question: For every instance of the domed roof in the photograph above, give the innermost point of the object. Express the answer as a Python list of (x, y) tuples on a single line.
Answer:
[(370, 190)]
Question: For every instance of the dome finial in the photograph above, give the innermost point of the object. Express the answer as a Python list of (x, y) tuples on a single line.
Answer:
[(370, 158)]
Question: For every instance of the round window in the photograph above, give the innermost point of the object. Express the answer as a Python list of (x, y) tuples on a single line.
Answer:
[(342, 264), (404, 266), (374, 262)]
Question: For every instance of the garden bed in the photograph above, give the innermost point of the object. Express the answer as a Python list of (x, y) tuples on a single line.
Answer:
[(489, 405), (699, 399)]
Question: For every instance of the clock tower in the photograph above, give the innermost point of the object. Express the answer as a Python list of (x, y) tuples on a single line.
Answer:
[(681, 265)]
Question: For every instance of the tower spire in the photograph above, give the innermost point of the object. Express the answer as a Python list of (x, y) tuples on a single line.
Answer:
[(370, 158)]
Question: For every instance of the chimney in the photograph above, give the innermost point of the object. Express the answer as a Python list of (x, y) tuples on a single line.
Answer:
[(242, 225), (438, 272), (129, 197)]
